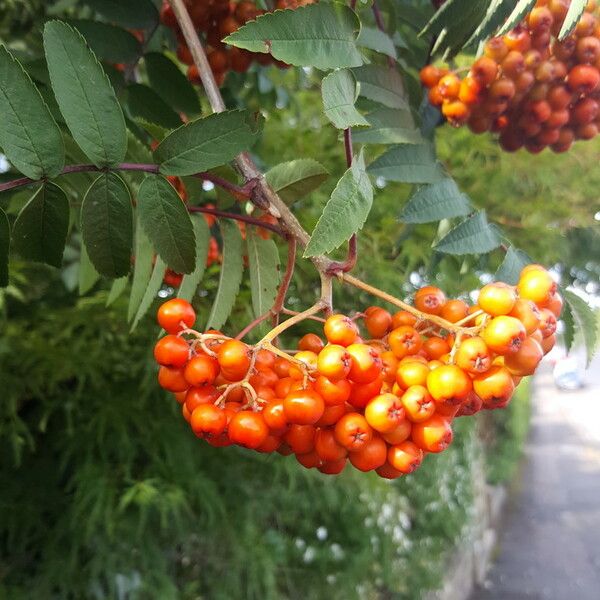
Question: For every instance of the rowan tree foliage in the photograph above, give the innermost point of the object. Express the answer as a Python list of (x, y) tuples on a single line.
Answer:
[(252, 161)]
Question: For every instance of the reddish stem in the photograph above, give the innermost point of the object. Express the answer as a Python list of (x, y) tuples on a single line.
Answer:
[(350, 262), (381, 26), (148, 168), (285, 282), (236, 217), (252, 325)]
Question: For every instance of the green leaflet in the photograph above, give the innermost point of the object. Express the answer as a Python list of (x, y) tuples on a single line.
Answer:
[(339, 92), (345, 212), (107, 225), (473, 236), (295, 179), (319, 35), (263, 258), (435, 202), (230, 276), (29, 135), (85, 96), (167, 223), (40, 231), (190, 282), (206, 143)]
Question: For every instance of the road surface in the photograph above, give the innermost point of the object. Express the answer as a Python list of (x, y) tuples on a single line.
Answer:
[(550, 538)]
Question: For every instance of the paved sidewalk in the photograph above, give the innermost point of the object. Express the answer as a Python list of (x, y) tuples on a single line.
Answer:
[(550, 541)]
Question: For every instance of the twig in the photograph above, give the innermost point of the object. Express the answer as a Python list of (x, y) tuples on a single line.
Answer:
[(236, 217), (252, 325), (245, 191), (381, 26), (285, 282)]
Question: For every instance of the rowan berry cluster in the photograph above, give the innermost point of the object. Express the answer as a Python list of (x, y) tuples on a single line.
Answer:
[(381, 400), (531, 89), (215, 20)]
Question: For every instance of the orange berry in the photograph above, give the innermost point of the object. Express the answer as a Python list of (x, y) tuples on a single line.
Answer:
[(340, 329), (404, 340), (495, 387), (449, 384), (536, 285), (334, 362), (454, 310), (175, 315), (405, 457), (473, 356), (411, 373), (497, 298), (504, 334), (384, 413), (433, 435), (526, 359), (365, 363), (430, 299), (352, 431), (378, 321), (371, 456), (418, 403), (528, 313)]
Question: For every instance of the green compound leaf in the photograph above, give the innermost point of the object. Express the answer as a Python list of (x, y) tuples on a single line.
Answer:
[(135, 14), (88, 276), (382, 85), (116, 290), (230, 276), (377, 40), (345, 212), (580, 318), (150, 293), (108, 42), (144, 257), (107, 225), (295, 179), (40, 231), (85, 96), (207, 143), (319, 35), (574, 13), (389, 126), (473, 236), (167, 223), (29, 135), (263, 258), (339, 92), (516, 16), (171, 84), (435, 202), (146, 105), (512, 265), (408, 163), (190, 282)]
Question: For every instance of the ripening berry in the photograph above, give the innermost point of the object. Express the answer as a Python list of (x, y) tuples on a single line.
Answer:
[(484, 71), (556, 304), (547, 323), (497, 298), (565, 140), (403, 317), (540, 19), (434, 96), (584, 111), (430, 75), (586, 25), (449, 384), (405, 457), (566, 49), (583, 79), (404, 341), (502, 90), (526, 359), (371, 456), (586, 132), (518, 39), (496, 49), (495, 387), (512, 65), (247, 429), (201, 369), (449, 86), (327, 447), (429, 299), (454, 310), (473, 356), (378, 321), (470, 91), (172, 379), (433, 435), (528, 313), (536, 285), (503, 334), (208, 420), (384, 413), (352, 431), (365, 363), (340, 329), (171, 351), (175, 315), (456, 112), (418, 403)]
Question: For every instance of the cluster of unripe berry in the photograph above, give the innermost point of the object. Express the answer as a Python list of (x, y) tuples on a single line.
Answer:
[(530, 88), (381, 401), (215, 20)]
